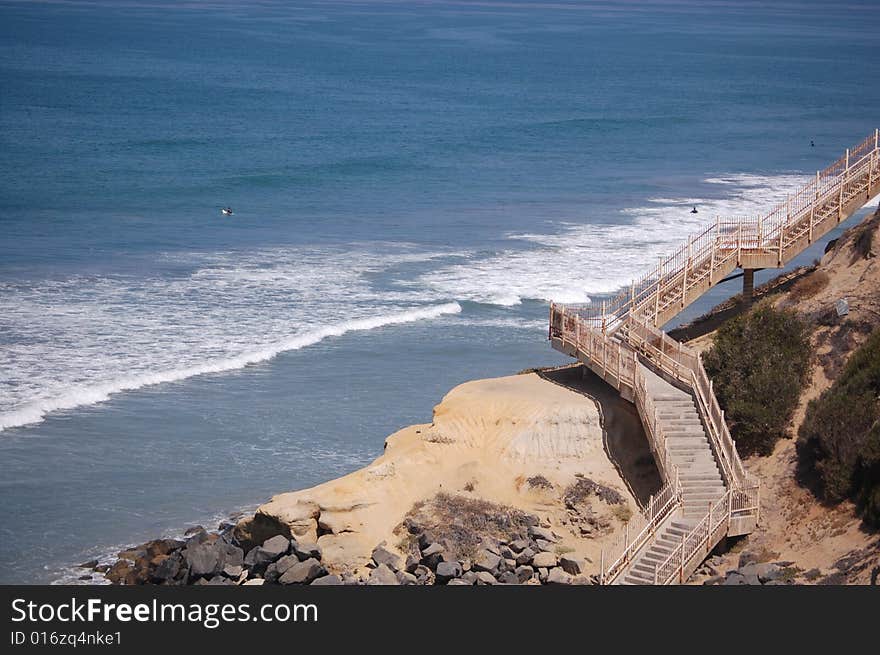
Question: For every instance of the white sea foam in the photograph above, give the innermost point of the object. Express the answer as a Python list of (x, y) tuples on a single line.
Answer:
[(600, 258), (77, 341)]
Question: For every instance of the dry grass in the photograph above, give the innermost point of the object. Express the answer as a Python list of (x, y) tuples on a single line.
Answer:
[(462, 523), (539, 482), (583, 489), (809, 285)]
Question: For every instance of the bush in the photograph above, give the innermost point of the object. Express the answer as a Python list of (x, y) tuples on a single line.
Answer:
[(839, 439), (759, 363)]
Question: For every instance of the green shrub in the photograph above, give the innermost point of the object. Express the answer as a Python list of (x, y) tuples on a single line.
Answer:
[(839, 439), (759, 363)]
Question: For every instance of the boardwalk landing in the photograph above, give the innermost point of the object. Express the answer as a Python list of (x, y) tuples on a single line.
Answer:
[(707, 493)]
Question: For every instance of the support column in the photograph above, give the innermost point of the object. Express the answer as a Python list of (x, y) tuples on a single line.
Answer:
[(748, 294)]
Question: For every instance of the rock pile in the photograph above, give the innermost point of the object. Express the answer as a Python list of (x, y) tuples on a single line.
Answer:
[(204, 558), (749, 572)]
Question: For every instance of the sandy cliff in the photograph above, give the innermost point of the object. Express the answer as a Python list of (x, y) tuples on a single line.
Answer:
[(487, 438)]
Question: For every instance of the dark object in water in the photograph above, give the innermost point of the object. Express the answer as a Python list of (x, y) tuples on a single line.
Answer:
[(694, 210)]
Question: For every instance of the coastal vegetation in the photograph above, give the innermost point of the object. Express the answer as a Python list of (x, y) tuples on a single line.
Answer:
[(759, 363), (839, 439)]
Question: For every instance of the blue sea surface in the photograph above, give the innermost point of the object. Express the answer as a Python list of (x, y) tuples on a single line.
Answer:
[(411, 184)]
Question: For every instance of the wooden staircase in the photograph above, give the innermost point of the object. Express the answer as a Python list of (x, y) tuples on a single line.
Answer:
[(707, 492)]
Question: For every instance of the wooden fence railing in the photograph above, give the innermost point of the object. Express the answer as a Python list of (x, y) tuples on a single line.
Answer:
[(776, 232)]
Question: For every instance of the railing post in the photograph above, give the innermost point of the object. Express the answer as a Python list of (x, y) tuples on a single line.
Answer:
[(712, 253), (618, 368), (739, 244), (656, 573), (603, 317), (681, 564), (602, 567), (709, 528), (842, 185)]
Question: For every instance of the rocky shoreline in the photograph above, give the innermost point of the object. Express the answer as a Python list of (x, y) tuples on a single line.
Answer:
[(219, 557)]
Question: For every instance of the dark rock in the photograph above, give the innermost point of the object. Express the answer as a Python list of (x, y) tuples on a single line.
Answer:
[(537, 532), (425, 540), (747, 557), (327, 580), (768, 572), (557, 576), (405, 578), (570, 565), (202, 559), (382, 575), (193, 530), (447, 571), (519, 545), (163, 547), (276, 546), (167, 569), (303, 572), (486, 561), (306, 550), (507, 553), (411, 564), (484, 578), (525, 557), (542, 574), (423, 574), (91, 564), (382, 555), (734, 579), (544, 560), (508, 577), (102, 568), (715, 579), (524, 573)]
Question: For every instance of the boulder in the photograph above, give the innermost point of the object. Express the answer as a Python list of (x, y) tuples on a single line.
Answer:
[(581, 580), (447, 571), (542, 574), (327, 580), (232, 570), (544, 560), (253, 582), (484, 578), (768, 572), (536, 532), (508, 577), (458, 582), (543, 545), (382, 555), (524, 573), (570, 565), (382, 575), (518, 545), (525, 557), (412, 562), (432, 549), (167, 569), (490, 546), (734, 578), (305, 550), (202, 559), (423, 574), (486, 561), (276, 546), (405, 578), (507, 553), (557, 576), (303, 572), (91, 564)]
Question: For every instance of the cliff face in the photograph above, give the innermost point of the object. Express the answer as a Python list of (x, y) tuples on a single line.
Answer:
[(517, 441)]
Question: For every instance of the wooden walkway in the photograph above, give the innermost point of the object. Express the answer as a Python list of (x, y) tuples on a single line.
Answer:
[(621, 341)]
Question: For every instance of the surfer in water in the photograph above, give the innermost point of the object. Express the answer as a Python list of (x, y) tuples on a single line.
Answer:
[(694, 210), (227, 211)]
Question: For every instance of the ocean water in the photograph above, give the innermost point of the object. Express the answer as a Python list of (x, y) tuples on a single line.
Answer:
[(412, 183)]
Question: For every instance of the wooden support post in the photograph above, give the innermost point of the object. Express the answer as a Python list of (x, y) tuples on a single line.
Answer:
[(618, 368), (602, 567), (739, 243), (748, 292)]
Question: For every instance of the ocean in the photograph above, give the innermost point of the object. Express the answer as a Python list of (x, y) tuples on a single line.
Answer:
[(412, 182)]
